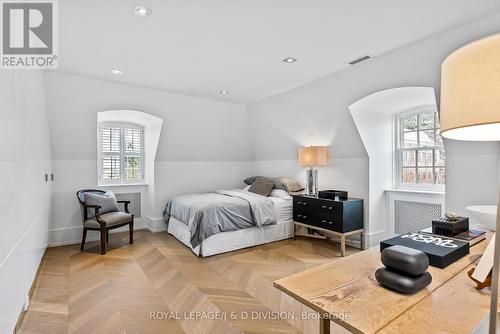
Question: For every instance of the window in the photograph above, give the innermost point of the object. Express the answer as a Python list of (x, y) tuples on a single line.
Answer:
[(420, 150), (120, 153)]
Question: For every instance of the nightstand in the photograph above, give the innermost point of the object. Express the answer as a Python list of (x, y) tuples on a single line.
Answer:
[(342, 218)]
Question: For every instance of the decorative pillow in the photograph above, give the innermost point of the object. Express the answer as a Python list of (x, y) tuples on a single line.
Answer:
[(250, 180), (247, 187), (262, 187), (278, 183), (107, 201), (291, 185), (280, 193)]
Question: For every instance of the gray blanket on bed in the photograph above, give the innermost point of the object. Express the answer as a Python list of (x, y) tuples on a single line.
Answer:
[(220, 211)]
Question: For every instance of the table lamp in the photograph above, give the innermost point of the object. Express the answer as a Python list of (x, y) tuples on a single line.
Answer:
[(470, 110), (312, 156)]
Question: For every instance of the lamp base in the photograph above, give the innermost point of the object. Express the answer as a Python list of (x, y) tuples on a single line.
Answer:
[(311, 182)]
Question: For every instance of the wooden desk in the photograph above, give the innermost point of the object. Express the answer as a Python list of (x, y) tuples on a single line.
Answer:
[(346, 292)]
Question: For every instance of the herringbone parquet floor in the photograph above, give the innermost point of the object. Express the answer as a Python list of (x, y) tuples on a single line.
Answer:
[(157, 285)]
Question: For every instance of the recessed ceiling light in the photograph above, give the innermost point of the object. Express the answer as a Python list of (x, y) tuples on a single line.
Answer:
[(289, 60), (223, 92), (142, 11), (117, 72)]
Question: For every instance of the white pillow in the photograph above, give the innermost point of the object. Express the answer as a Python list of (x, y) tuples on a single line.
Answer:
[(246, 188), (280, 193)]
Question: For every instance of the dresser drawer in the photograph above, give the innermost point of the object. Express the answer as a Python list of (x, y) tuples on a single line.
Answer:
[(323, 220), (316, 205)]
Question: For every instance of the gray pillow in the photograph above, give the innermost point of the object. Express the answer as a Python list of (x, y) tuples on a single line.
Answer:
[(107, 201), (250, 180), (262, 187)]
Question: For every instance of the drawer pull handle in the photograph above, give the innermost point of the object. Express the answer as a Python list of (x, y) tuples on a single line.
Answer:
[(327, 207), (305, 216)]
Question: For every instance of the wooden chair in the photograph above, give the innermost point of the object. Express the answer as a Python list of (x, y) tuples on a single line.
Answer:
[(104, 222)]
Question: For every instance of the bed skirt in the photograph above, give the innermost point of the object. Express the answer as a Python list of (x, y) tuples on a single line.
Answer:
[(232, 240)]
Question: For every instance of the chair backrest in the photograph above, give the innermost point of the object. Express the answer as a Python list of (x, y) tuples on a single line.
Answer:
[(81, 198)]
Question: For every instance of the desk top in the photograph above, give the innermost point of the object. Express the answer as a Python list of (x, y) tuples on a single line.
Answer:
[(348, 291)]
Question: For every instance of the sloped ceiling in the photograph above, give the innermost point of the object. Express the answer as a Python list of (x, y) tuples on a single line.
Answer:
[(200, 47)]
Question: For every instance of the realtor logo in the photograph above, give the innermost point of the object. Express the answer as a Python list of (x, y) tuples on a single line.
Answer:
[(28, 34)]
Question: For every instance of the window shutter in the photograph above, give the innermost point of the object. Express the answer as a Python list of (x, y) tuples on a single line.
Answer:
[(110, 148), (110, 139), (132, 154)]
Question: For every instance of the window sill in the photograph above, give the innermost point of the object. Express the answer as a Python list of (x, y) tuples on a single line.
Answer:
[(417, 191), (123, 185)]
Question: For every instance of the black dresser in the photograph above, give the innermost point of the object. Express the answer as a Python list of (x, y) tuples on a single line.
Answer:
[(339, 217)]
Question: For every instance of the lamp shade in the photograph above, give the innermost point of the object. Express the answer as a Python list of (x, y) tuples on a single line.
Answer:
[(313, 156), (470, 92)]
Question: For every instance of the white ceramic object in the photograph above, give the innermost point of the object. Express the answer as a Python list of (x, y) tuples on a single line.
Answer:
[(485, 215)]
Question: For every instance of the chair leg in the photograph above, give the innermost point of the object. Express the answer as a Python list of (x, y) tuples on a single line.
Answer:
[(131, 232), (84, 237), (103, 242), (107, 236)]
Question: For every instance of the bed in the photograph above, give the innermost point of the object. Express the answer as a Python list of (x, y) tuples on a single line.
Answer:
[(228, 220)]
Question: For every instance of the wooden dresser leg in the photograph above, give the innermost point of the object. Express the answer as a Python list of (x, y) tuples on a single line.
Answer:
[(324, 325), (342, 245)]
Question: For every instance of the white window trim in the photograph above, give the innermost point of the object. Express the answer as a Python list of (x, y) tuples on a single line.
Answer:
[(397, 156), (121, 181)]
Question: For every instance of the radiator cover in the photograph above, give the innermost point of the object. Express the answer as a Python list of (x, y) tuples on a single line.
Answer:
[(412, 216), (135, 202)]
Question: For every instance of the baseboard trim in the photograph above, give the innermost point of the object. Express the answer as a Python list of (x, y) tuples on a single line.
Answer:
[(156, 225), (374, 239)]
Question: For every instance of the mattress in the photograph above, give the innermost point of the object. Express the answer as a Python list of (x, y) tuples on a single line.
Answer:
[(248, 237)]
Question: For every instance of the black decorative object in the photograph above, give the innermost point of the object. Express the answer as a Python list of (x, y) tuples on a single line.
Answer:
[(401, 283), (450, 227), (333, 194), (405, 270), (404, 259), (441, 251)]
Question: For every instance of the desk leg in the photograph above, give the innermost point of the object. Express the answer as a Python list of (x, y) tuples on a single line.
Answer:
[(324, 325), (362, 237)]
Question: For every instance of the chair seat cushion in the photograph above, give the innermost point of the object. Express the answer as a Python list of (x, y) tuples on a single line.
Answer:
[(111, 219)]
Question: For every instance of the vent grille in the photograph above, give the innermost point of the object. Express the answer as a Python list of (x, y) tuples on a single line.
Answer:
[(414, 216), (359, 59), (135, 202)]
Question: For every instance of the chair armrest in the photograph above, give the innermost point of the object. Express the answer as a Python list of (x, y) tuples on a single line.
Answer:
[(97, 216), (125, 204)]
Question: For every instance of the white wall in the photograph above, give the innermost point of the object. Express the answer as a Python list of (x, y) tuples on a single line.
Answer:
[(374, 118), (204, 144), (317, 113), (24, 194)]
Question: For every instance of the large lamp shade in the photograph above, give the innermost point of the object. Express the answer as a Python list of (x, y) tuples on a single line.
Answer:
[(470, 110), (470, 92), (313, 156)]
